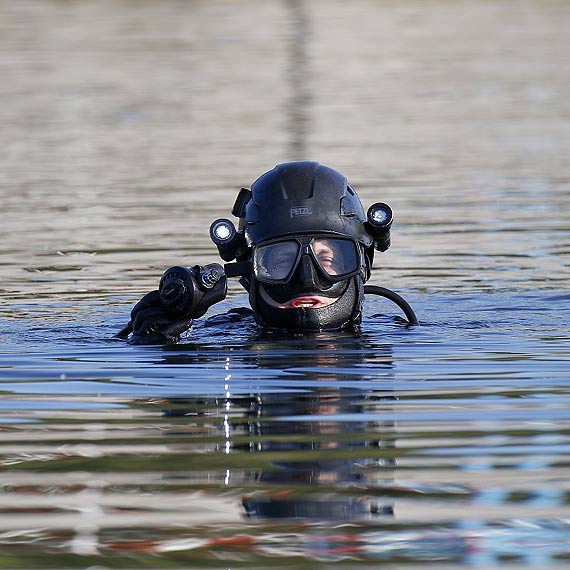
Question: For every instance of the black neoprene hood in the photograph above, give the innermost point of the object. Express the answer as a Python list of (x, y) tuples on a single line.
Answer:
[(302, 198)]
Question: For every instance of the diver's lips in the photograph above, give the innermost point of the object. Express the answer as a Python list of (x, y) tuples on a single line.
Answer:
[(309, 302), (302, 302)]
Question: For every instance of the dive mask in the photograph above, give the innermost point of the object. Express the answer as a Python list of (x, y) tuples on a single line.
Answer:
[(336, 258)]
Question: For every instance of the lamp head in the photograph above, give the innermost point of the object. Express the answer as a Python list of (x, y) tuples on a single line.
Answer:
[(379, 220)]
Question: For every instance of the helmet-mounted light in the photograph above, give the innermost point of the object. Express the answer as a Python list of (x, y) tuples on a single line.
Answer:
[(379, 220), (229, 241), (222, 231)]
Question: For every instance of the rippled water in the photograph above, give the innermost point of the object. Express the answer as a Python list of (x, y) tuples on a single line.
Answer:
[(127, 127)]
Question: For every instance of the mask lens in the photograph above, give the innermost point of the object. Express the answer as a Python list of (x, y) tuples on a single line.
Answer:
[(336, 257), (275, 262)]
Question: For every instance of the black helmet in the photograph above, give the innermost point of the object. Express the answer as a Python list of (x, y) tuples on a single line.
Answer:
[(303, 197), (305, 246)]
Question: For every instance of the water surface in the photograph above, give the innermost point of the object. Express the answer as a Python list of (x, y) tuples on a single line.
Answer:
[(127, 128)]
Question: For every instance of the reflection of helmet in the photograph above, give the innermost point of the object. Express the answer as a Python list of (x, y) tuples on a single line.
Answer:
[(329, 509), (308, 218)]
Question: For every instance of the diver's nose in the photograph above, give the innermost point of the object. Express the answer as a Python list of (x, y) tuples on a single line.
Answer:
[(306, 272)]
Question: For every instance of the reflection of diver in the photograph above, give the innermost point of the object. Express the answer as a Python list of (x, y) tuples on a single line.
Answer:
[(330, 460), (322, 476), (327, 451), (303, 250)]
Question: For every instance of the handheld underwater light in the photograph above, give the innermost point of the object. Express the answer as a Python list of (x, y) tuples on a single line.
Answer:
[(380, 218), (189, 291)]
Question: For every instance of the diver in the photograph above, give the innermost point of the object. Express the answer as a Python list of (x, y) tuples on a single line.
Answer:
[(303, 251)]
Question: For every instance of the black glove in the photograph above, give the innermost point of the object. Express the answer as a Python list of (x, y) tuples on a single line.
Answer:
[(152, 323), (161, 316)]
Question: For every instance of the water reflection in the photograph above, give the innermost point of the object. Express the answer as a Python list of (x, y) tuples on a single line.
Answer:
[(322, 448), (313, 453), (300, 79), (326, 455), (128, 131)]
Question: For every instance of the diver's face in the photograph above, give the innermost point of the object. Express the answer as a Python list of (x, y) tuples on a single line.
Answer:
[(280, 260), (330, 259), (305, 272), (307, 283), (303, 307), (306, 288)]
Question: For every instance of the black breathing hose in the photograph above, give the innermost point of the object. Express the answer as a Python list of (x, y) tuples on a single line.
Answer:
[(395, 298)]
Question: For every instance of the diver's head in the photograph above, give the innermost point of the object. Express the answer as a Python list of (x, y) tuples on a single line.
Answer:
[(305, 247)]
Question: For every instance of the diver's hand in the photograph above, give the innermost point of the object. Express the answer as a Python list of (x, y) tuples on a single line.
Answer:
[(152, 323), (161, 316)]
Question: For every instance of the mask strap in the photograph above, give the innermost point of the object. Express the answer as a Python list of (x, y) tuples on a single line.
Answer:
[(238, 269)]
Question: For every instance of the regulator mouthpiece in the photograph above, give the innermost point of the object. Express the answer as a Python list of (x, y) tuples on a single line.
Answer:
[(229, 241), (380, 218)]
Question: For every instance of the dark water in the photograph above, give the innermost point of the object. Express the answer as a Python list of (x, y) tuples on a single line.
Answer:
[(127, 127)]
